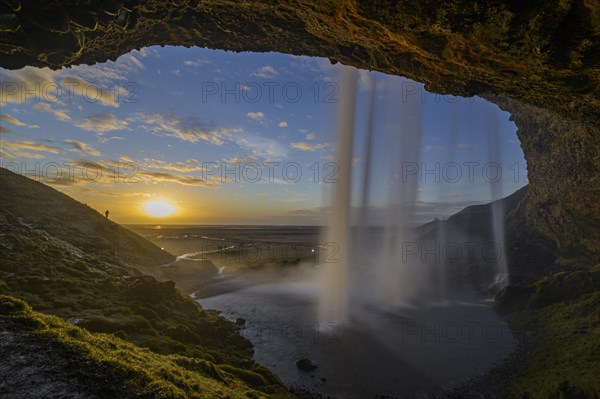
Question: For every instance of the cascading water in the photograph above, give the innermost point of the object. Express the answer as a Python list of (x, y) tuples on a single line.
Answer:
[(380, 259), (497, 206), (334, 296), (400, 276)]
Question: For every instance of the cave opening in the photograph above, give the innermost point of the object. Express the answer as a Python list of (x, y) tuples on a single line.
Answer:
[(224, 164), (182, 144)]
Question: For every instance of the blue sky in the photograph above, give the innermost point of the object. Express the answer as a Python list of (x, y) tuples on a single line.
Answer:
[(166, 123)]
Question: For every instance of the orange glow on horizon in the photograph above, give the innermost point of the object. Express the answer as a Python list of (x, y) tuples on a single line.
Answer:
[(159, 208)]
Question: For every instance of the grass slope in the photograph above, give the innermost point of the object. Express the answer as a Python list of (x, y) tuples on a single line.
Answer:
[(47, 209), (113, 367), (59, 271), (560, 315)]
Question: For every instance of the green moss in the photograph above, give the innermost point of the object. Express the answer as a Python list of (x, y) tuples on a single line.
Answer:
[(143, 372), (252, 378), (561, 320), (116, 300), (563, 286), (566, 357)]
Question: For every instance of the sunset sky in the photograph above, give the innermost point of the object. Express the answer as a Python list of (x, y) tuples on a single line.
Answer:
[(189, 127)]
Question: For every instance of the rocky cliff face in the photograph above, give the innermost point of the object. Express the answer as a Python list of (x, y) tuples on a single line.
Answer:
[(563, 158), (540, 60)]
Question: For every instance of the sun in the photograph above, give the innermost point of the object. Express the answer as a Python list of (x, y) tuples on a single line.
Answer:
[(159, 208)]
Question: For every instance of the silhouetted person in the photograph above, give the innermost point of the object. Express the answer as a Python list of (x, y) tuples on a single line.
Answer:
[(106, 213)]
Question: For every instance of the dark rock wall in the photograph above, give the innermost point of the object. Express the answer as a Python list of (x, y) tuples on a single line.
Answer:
[(538, 59), (563, 158)]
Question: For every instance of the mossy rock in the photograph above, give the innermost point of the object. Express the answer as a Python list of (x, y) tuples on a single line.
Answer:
[(128, 324), (513, 298), (563, 286), (10, 306), (253, 379)]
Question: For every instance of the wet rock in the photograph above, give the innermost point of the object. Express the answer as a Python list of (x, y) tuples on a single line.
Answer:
[(240, 322), (306, 364), (512, 298)]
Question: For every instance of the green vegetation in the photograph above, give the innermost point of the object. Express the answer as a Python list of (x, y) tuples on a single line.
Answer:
[(57, 256), (56, 278), (560, 317), (111, 298), (133, 371)]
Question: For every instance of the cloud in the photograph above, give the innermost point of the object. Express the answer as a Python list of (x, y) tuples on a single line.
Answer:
[(364, 79), (311, 136), (17, 146), (90, 92), (131, 60), (5, 154), (184, 128), (154, 170), (282, 124), (108, 72), (120, 194), (4, 130), (83, 148), (126, 159), (101, 172), (26, 84), (12, 120), (265, 72), (196, 63), (60, 114), (84, 172), (105, 139), (150, 163), (256, 116), (25, 154), (309, 146), (68, 85), (176, 72), (260, 148), (240, 160), (148, 52), (101, 123), (174, 178)]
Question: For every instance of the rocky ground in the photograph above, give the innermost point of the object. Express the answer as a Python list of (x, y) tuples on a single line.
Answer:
[(34, 368)]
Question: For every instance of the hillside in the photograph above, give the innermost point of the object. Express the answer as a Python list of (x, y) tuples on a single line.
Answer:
[(550, 306), (528, 254), (53, 257), (46, 357), (39, 207), (44, 208)]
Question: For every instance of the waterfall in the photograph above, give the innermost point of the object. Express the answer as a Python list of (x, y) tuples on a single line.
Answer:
[(334, 295), (379, 259), (400, 276), (498, 223)]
